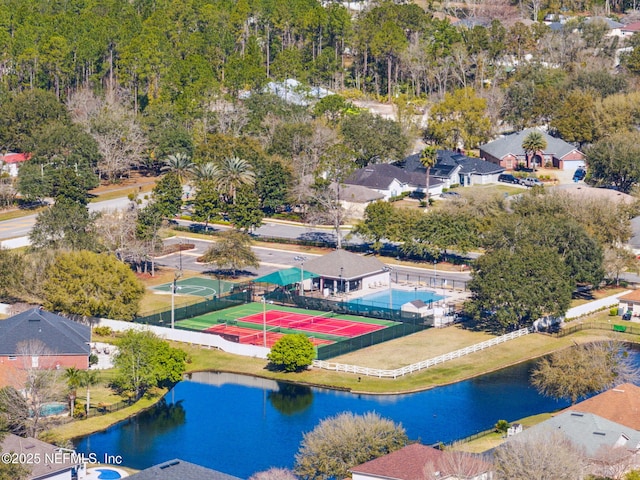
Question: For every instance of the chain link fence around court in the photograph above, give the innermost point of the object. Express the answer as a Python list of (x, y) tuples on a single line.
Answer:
[(243, 294), (408, 322)]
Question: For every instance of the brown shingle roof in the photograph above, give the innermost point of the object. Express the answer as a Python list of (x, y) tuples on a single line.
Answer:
[(620, 404), (405, 464), (345, 265), (632, 296)]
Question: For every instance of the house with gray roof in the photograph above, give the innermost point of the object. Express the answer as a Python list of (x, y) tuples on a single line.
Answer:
[(454, 168), (391, 181), (342, 271), (48, 461), (507, 152), (180, 470), (62, 343), (355, 198), (590, 432)]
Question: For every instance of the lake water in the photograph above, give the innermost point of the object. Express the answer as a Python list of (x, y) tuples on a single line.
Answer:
[(241, 425), (398, 298)]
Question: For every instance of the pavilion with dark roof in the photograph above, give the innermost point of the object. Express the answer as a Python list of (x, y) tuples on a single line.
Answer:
[(343, 272)]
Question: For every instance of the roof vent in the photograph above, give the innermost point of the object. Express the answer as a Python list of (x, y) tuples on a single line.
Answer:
[(170, 464)]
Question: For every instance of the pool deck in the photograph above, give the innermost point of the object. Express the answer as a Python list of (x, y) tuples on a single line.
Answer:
[(94, 474)]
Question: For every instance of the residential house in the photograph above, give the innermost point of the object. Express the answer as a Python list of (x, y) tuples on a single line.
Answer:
[(606, 444), (11, 162), (614, 29), (454, 168), (342, 271), (415, 461), (48, 461), (630, 303), (630, 29), (355, 198), (392, 181), (507, 152), (180, 470), (620, 404), (39, 339)]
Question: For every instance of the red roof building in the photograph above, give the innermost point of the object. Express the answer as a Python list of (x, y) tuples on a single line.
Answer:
[(620, 404), (420, 462), (11, 162)]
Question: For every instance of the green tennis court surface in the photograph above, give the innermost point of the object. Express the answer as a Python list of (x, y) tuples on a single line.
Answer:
[(199, 286)]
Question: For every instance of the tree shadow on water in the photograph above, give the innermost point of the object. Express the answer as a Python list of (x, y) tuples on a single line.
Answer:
[(290, 398)]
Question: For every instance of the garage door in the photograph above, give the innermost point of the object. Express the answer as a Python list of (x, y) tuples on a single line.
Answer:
[(572, 165)]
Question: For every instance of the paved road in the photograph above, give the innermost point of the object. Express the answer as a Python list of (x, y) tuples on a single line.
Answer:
[(20, 227), (272, 260)]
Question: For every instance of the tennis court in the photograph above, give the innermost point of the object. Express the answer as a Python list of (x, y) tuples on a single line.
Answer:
[(253, 337), (199, 286), (323, 323), (280, 319)]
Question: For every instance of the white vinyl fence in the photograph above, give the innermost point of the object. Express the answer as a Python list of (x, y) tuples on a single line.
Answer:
[(595, 306), (195, 338), (376, 372)]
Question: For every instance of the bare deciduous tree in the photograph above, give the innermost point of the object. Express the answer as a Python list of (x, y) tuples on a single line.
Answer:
[(550, 455), (584, 369), (457, 464), (114, 127), (274, 474), (612, 462), (35, 375)]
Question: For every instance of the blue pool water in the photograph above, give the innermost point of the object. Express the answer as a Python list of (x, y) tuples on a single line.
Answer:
[(108, 474), (53, 409), (398, 298)]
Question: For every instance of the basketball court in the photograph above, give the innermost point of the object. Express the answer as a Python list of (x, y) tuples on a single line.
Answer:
[(198, 286)]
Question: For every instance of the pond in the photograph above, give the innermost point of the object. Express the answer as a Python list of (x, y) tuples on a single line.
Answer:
[(241, 425)]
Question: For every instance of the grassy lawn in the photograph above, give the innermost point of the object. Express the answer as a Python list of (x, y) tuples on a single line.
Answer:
[(493, 439)]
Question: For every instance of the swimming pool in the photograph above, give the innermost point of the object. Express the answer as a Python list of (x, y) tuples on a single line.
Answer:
[(108, 474), (56, 408), (398, 298)]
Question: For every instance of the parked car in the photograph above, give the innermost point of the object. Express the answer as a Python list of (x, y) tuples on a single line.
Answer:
[(626, 315), (579, 174), (531, 182), (507, 178)]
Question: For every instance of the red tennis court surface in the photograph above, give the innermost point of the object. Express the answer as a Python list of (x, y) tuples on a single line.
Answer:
[(253, 337), (311, 323)]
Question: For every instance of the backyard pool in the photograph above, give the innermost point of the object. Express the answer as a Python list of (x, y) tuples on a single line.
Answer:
[(397, 298), (55, 408)]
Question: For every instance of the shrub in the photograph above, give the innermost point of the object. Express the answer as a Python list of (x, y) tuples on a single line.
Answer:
[(292, 353), (103, 331)]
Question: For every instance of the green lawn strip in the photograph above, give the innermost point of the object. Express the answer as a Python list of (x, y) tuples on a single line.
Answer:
[(79, 428), (493, 439)]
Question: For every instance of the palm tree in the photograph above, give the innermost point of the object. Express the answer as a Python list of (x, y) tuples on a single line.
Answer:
[(74, 380), (233, 173), (205, 171), (428, 158), (88, 379), (180, 163), (532, 143)]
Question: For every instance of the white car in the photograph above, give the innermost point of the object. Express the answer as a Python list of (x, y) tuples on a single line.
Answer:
[(531, 182)]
